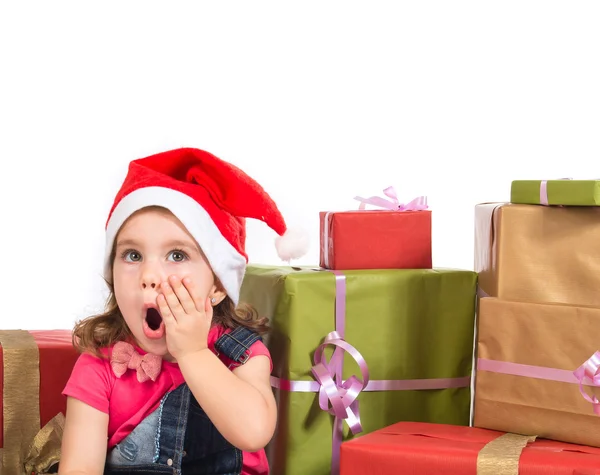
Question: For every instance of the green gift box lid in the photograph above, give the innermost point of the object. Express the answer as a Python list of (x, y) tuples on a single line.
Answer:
[(556, 192)]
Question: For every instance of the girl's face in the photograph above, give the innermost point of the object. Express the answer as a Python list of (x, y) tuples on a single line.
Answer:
[(151, 246)]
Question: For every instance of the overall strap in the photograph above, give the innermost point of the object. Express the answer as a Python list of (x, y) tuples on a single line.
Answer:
[(236, 344)]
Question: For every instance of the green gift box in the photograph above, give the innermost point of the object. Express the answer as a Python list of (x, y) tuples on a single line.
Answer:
[(556, 192), (414, 329)]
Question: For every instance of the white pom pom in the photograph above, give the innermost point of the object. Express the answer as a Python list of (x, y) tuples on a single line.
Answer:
[(292, 245)]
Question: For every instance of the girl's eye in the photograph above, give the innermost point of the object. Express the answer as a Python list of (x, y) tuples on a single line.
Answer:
[(131, 256), (177, 256)]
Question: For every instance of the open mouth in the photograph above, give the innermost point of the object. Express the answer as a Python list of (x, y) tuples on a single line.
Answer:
[(153, 319)]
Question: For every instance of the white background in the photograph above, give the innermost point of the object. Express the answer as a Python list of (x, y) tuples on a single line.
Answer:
[(318, 101)]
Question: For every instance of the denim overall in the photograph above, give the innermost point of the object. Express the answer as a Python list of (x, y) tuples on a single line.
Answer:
[(178, 438)]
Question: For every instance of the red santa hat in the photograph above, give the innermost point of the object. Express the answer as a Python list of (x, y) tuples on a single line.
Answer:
[(211, 198)]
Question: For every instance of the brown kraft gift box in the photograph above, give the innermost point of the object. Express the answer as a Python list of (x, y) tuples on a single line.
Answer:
[(538, 253), (527, 354)]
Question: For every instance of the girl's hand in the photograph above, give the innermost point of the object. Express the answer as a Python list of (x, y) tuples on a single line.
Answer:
[(187, 316)]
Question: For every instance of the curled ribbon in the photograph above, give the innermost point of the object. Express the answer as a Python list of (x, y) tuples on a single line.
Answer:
[(343, 397), (590, 371), (417, 204), (341, 394)]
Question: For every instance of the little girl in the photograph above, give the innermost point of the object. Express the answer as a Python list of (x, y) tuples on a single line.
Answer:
[(174, 377)]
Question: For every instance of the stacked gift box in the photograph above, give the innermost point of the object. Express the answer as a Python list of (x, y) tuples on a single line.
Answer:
[(537, 260), (539, 319), (374, 321)]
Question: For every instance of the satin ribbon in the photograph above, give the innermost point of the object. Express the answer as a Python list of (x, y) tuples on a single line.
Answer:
[(340, 398), (342, 395), (590, 372), (544, 192), (417, 204), (377, 384), (526, 371), (325, 242)]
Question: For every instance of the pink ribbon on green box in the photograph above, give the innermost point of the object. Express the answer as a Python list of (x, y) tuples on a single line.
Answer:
[(340, 398)]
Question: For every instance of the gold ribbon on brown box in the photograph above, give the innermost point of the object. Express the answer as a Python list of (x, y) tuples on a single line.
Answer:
[(26, 447), (501, 455)]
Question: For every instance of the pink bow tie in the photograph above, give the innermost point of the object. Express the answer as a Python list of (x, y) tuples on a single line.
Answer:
[(124, 357)]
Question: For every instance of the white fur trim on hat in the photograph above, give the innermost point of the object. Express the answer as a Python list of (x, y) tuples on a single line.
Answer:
[(227, 264)]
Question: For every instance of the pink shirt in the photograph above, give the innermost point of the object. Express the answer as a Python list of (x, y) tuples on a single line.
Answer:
[(127, 401)]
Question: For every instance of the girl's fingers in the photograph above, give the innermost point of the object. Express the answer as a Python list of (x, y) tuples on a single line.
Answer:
[(172, 301), (183, 295), (199, 300), (165, 310)]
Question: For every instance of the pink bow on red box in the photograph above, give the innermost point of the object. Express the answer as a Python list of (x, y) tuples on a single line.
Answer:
[(393, 204)]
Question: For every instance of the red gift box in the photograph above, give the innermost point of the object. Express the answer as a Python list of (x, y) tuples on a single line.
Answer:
[(34, 369), (375, 240), (411, 448)]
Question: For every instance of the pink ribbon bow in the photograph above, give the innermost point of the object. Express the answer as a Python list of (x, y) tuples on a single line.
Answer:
[(342, 395), (589, 373), (417, 204), (124, 357)]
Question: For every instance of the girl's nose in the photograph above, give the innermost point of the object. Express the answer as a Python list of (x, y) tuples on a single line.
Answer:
[(150, 277)]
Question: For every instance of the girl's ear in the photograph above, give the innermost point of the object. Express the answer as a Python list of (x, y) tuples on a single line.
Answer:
[(217, 296), (217, 293)]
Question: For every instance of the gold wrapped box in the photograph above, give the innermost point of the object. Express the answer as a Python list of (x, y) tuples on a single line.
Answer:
[(538, 253)]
